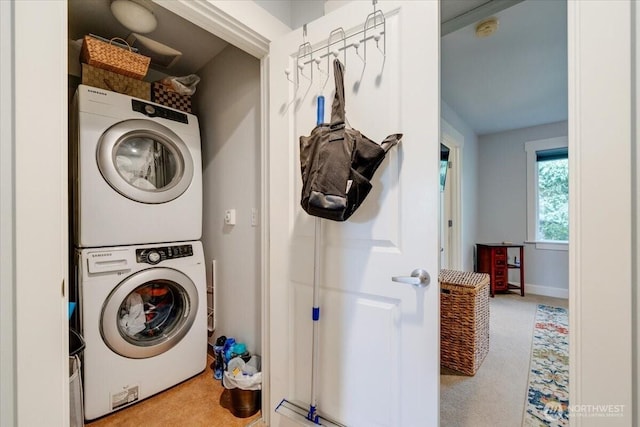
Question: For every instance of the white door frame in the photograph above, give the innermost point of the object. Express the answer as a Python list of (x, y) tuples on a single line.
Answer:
[(600, 123), (453, 139), (39, 210), (7, 221), (598, 320)]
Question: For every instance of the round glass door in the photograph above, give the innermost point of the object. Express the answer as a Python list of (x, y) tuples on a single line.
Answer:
[(145, 161), (149, 312)]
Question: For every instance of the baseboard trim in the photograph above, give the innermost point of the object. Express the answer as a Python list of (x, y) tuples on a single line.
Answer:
[(547, 291)]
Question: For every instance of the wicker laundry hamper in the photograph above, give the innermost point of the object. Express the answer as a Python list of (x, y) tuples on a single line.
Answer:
[(464, 320)]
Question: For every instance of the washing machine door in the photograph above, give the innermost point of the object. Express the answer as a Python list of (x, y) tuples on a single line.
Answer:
[(145, 161), (149, 312)]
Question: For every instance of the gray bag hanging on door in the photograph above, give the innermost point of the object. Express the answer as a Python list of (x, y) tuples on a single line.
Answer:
[(338, 163)]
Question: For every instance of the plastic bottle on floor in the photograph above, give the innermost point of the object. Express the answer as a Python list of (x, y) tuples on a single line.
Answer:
[(218, 350), (228, 348), (240, 350)]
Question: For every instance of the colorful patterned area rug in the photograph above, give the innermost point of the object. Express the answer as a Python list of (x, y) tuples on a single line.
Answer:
[(547, 401)]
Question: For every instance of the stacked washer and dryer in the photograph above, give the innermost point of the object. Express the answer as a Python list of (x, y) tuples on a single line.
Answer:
[(137, 221)]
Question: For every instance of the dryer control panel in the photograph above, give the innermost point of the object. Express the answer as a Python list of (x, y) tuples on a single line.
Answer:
[(151, 110), (155, 255)]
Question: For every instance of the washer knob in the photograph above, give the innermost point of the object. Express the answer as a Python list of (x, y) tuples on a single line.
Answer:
[(149, 109), (153, 257)]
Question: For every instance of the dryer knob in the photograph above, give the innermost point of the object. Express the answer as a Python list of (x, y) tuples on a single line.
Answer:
[(153, 257), (149, 109)]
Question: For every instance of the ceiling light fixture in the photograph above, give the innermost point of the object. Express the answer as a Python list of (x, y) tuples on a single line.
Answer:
[(487, 27), (137, 16)]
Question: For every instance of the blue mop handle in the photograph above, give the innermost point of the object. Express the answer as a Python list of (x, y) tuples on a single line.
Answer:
[(315, 349), (320, 118)]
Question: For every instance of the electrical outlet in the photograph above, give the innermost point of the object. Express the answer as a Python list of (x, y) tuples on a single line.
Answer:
[(230, 217)]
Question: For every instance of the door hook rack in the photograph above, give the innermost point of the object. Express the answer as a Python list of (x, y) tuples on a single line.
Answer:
[(375, 28)]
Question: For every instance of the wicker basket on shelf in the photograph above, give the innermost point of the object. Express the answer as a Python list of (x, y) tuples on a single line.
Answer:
[(97, 77), (108, 56), (464, 320)]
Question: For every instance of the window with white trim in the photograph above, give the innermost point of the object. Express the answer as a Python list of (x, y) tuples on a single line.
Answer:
[(548, 193)]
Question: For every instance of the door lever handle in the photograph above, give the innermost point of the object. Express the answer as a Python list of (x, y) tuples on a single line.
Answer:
[(419, 278)]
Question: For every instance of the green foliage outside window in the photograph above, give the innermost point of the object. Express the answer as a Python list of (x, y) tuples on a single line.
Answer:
[(553, 200)]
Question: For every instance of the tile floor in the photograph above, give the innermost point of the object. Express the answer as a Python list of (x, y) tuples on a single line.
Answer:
[(199, 401)]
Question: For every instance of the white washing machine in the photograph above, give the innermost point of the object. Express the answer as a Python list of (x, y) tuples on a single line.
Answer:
[(136, 171), (143, 315)]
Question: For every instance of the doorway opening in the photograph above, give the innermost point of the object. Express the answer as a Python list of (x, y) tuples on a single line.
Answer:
[(451, 142), (492, 85), (231, 152)]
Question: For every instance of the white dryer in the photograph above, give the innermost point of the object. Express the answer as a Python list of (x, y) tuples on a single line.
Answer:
[(143, 318), (136, 171)]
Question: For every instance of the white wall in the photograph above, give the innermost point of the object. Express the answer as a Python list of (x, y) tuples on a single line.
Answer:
[(293, 13), (305, 11), (494, 166), (331, 5), (502, 201), (228, 102), (469, 185), (281, 9)]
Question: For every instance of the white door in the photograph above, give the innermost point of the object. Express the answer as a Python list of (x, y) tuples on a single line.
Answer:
[(379, 339)]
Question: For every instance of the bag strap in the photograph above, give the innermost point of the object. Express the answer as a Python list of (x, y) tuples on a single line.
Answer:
[(337, 108)]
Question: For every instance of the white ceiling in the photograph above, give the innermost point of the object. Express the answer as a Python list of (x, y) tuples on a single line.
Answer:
[(450, 9), (515, 78)]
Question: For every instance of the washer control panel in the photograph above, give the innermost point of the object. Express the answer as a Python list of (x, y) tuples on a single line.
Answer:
[(150, 110), (162, 253)]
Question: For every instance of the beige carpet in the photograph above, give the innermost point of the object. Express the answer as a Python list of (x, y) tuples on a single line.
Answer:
[(495, 396)]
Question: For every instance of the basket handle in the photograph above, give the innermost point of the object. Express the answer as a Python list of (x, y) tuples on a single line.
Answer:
[(123, 41), (112, 89)]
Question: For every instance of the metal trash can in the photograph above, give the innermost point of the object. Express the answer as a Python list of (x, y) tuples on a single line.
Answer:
[(76, 404), (245, 388), (244, 403)]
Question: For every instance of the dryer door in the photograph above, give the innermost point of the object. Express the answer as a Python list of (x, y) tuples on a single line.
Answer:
[(145, 161), (149, 312)]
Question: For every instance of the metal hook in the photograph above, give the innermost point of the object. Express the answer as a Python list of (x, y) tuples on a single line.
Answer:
[(287, 72), (356, 46), (317, 60), (304, 50), (378, 19), (343, 37)]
